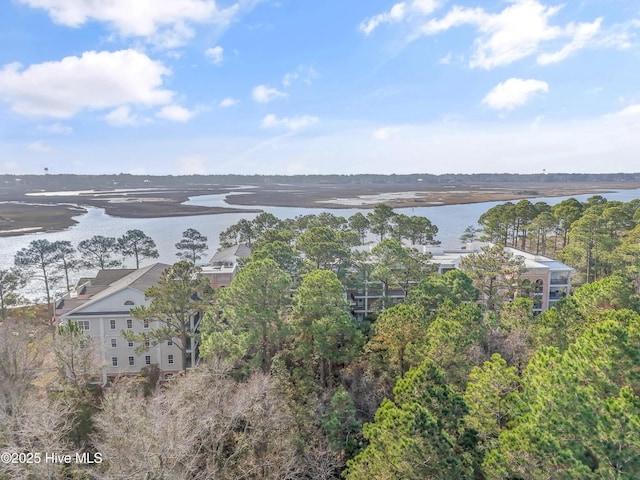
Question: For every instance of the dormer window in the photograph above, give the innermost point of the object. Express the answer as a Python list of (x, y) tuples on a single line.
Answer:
[(129, 303)]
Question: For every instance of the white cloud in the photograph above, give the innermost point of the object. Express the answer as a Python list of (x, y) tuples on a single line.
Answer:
[(514, 33), (582, 35), (95, 81), (630, 111), (425, 6), (39, 146), (446, 60), (513, 93), (163, 22), (176, 113), (215, 54), (304, 73), (56, 128), (122, 117), (382, 133), (523, 28), (264, 94), (228, 102), (397, 13), (289, 123)]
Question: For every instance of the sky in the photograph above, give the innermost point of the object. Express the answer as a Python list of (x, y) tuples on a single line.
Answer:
[(158, 87)]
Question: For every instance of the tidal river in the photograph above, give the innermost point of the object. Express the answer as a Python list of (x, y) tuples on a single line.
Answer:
[(166, 232)]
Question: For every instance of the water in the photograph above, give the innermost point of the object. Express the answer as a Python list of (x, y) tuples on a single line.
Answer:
[(166, 232)]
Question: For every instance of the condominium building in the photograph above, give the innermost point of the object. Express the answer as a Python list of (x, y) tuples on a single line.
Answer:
[(224, 266), (102, 305), (551, 280)]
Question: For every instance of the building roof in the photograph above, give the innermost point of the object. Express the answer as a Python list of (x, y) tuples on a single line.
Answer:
[(531, 261), (107, 277), (231, 254), (140, 280)]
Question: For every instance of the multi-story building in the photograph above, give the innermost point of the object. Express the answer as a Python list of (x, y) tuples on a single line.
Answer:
[(102, 308), (551, 280), (224, 266)]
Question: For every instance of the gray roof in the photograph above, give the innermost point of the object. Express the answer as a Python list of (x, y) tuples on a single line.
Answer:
[(555, 265), (231, 254), (107, 277), (140, 280)]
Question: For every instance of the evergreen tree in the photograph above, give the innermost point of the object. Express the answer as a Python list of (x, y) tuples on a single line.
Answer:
[(192, 246)]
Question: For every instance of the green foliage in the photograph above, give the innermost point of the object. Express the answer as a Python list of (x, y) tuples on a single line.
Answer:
[(192, 246), (326, 338), (397, 266), (11, 284), (470, 234), (454, 338), (98, 252), (611, 293), (341, 425), (135, 243), (178, 299), (559, 326), (419, 435), (577, 413), (38, 261), (360, 225), (399, 337), (250, 323), (282, 253), (489, 398), (496, 273), (380, 220), (323, 247), (454, 285)]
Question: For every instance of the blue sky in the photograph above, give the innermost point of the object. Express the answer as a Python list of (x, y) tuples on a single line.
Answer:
[(339, 86)]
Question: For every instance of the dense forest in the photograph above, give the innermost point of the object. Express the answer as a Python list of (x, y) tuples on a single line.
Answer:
[(458, 381)]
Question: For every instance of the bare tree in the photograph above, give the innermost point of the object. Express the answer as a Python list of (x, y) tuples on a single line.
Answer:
[(76, 355), (20, 364), (205, 425), (36, 425)]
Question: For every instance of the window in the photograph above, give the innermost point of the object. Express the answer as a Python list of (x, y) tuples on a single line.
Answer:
[(83, 324), (170, 359), (147, 344), (128, 303), (169, 343), (130, 344), (129, 323), (146, 323), (132, 361), (112, 324), (114, 361), (147, 360), (114, 343)]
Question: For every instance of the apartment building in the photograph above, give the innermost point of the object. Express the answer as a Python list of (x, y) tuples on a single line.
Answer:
[(550, 278), (102, 305), (224, 266)]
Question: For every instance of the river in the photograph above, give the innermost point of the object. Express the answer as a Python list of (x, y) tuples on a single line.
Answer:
[(166, 232)]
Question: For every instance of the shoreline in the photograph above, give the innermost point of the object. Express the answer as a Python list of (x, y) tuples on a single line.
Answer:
[(41, 212)]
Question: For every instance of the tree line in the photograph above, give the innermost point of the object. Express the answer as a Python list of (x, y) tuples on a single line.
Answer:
[(596, 237)]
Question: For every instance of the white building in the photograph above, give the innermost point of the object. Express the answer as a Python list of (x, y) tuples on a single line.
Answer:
[(102, 308), (551, 279), (224, 266)]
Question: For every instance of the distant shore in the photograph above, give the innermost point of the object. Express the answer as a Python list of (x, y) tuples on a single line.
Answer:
[(27, 211)]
